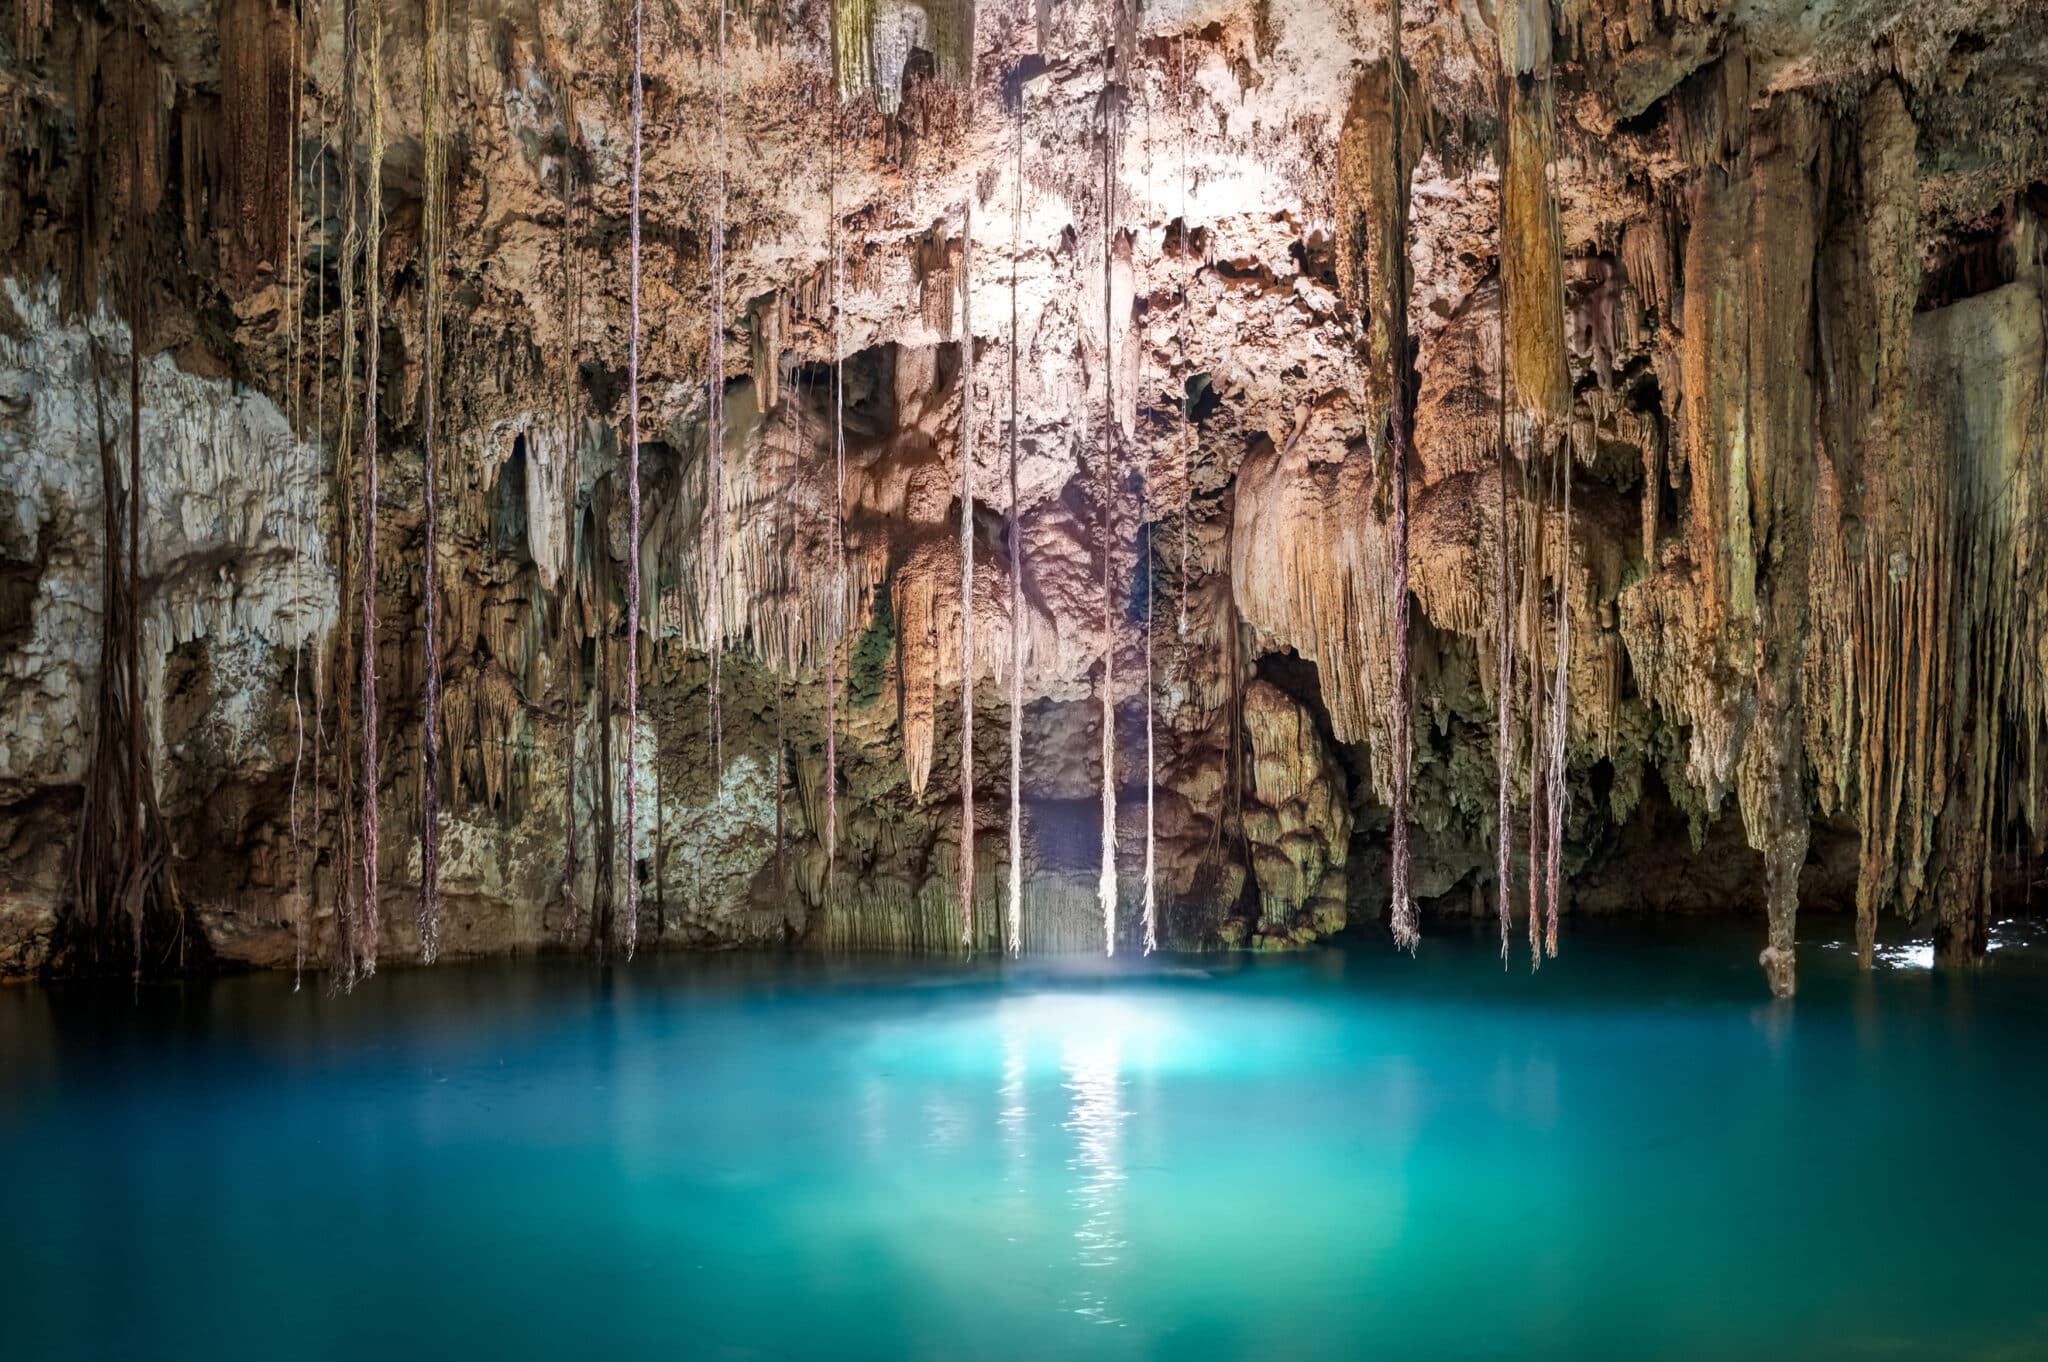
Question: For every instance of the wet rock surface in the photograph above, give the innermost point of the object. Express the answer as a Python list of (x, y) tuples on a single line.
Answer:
[(1772, 285)]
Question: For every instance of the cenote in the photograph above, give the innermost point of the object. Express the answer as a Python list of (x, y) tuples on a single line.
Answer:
[(1337, 1154), (981, 681)]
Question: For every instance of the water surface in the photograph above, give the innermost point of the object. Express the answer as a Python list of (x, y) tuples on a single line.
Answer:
[(1347, 1154)]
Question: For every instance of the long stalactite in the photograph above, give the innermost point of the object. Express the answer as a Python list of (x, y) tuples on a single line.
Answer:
[(1751, 382)]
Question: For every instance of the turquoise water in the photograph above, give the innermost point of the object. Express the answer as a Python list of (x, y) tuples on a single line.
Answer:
[(1340, 1155)]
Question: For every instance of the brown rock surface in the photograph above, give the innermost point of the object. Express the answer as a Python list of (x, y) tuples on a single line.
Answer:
[(1775, 307)]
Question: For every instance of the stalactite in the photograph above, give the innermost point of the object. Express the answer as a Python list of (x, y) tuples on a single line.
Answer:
[(1106, 885), (258, 42), (949, 34), (430, 711), (1402, 430), (629, 926), (967, 571), (1367, 668), (853, 47), (1530, 251), (1534, 365), (32, 22), (1867, 279)]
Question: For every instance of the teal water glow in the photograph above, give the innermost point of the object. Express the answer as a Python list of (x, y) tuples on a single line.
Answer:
[(1342, 1155)]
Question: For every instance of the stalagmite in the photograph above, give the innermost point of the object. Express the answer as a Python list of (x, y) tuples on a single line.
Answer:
[(629, 927), (1105, 890), (366, 951), (430, 736), (1015, 933), (966, 577)]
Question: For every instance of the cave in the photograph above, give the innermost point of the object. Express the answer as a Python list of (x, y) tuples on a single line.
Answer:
[(909, 678)]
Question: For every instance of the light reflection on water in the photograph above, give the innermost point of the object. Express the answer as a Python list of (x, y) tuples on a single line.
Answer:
[(1336, 1156), (1095, 1120)]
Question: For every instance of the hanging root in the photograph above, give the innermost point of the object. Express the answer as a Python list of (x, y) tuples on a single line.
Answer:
[(715, 513), (1407, 934), (1555, 794), (1503, 676), (1106, 884), (629, 924), (967, 576), (430, 710), (572, 625), (1016, 905), (838, 607)]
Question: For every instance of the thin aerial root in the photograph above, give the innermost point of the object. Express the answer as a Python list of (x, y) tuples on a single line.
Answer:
[(629, 925)]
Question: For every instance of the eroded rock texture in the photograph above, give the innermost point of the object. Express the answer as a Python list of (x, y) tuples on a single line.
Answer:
[(1761, 289)]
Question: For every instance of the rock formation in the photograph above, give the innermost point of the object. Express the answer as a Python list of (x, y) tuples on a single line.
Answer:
[(1724, 524)]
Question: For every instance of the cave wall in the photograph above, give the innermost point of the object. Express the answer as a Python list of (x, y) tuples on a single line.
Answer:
[(1792, 366)]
